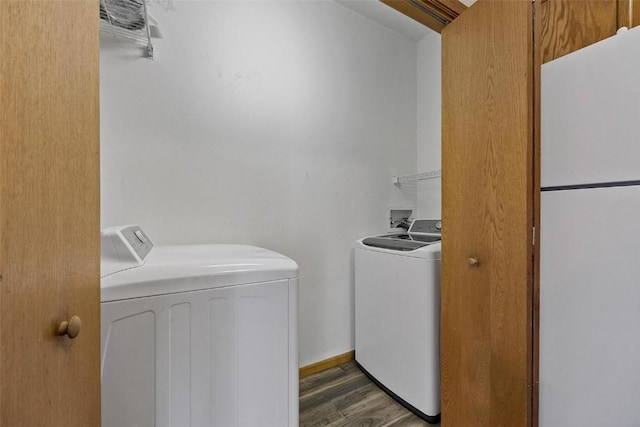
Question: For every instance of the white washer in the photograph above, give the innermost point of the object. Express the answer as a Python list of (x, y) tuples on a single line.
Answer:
[(397, 315), (197, 335)]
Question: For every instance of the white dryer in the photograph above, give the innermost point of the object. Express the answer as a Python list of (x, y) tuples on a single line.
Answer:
[(397, 315), (197, 335)]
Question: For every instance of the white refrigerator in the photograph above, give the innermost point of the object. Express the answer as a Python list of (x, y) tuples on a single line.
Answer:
[(590, 236)]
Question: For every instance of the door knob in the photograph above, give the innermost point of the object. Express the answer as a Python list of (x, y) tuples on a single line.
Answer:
[(472, 262), (70, 328)]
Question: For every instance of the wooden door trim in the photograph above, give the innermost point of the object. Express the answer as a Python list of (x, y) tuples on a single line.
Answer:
[(535, 293), (625, 13), (628, 13)]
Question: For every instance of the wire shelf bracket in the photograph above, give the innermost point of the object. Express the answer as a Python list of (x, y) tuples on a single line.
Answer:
[(128, 19), (404, 179)]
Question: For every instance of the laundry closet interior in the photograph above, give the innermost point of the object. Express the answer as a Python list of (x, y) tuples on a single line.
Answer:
[(192, 185)]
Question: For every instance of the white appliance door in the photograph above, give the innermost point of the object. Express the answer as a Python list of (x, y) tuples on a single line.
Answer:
[(590, 114), (590, 307)]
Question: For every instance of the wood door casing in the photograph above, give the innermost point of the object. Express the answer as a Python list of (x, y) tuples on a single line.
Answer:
[(487, 195), (49, 212), (628, 13), (535, 314)]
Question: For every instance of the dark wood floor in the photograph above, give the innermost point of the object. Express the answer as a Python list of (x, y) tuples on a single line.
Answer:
[(344, 396)]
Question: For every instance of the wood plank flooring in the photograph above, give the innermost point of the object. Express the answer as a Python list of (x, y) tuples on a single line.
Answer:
[(344, 396)]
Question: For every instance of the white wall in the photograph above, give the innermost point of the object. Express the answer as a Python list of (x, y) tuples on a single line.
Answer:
[(429, 127), (278, 124)]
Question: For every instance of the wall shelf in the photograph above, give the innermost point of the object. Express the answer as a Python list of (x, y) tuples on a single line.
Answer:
[(127, 19), (404, 179)]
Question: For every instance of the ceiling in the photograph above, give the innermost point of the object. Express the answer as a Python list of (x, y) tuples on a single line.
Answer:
[(388, 17)]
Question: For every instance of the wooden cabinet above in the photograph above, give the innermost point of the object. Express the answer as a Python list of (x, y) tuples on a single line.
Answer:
[(567, 25)]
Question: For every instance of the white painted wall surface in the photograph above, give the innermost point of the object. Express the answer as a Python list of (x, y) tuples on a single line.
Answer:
[(277, 124), (429, 124)]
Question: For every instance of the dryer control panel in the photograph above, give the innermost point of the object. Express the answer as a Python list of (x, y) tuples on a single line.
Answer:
[(123, 247)]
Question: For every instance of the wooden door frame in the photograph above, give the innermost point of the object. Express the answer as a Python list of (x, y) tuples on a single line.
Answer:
[(535, 294)]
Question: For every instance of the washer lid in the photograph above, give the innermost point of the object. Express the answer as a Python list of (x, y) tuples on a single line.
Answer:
[(173, 269), (393, 243), (426, 251)]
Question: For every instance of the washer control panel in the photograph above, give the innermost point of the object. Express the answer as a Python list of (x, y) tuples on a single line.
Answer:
[(123, 247), (426, 226)]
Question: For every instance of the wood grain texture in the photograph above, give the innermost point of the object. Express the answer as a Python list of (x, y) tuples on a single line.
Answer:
[(322, 365), (625, 13), (49, 212), (487, 181), (424, 11), (628, 13), (445, 9), (415, 13), (343, 396), (569, 25)]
